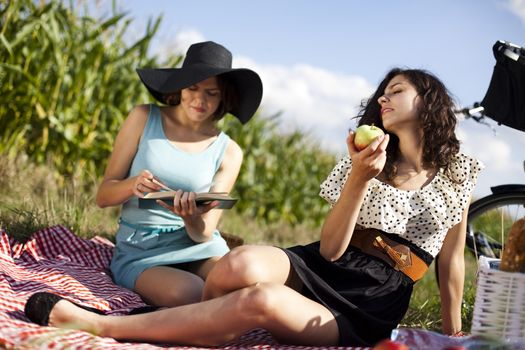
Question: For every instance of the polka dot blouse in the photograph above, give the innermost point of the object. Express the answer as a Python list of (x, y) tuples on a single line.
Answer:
[(421, 216)]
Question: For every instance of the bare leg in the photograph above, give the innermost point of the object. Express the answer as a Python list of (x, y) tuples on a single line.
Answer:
[(289, 316), (179, 286), (202, 267), (247, 265), (167, 286)]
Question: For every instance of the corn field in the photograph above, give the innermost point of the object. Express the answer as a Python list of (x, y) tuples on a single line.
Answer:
[(67, 81)]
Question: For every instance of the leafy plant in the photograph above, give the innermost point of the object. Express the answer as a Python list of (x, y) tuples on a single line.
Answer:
[(66, 82), (280, 176)]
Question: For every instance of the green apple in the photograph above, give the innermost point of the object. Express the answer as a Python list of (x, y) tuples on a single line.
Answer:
[(365, 134)]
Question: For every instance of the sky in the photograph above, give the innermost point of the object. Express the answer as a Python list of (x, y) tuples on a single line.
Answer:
[(319, 59)]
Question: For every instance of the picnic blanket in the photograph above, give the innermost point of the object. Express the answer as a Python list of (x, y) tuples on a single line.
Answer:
[(56, 260)]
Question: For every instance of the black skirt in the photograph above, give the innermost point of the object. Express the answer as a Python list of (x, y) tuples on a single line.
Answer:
[(367, 297)]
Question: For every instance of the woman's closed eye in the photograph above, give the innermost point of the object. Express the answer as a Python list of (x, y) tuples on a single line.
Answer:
[(213, 93)]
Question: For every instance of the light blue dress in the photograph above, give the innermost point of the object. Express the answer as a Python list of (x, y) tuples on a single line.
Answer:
[(155, 237)]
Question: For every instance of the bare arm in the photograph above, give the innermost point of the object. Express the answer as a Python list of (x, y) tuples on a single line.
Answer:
[(201, 221), (340, 223), (116, 188), (452, 276)]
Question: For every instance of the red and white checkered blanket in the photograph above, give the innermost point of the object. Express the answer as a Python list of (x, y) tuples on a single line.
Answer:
[(56, 260)]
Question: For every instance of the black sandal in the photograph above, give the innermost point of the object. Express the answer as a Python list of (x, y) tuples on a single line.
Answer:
[(39, 306)]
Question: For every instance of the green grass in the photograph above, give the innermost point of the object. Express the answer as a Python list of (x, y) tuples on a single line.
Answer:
[(33, 197), (424, 310)]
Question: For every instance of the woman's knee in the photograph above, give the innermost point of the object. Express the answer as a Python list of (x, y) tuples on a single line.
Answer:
[(240, 264), (263, 301)]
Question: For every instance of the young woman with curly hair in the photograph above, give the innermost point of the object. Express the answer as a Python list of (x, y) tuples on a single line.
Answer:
[(436, 118)]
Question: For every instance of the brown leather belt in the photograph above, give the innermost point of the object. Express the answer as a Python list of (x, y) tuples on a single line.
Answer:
[(397, 255)]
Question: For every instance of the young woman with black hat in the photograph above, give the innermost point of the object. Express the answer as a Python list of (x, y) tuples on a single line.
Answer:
[(164, 254), (395, 205)]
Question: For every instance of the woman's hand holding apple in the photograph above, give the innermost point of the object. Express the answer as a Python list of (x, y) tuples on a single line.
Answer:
[(369, 162)]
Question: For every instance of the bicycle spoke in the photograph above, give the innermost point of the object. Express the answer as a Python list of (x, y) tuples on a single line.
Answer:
[(490, 222)]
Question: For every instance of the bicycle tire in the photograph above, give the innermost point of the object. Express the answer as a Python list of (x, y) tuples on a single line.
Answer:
[(494, 200), (503, 196), (509, 205)]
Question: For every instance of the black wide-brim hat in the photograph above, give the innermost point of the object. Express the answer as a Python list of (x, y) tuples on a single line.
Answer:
[(204, 60)]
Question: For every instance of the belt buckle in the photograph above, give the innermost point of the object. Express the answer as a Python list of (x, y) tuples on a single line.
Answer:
[(401, 259)]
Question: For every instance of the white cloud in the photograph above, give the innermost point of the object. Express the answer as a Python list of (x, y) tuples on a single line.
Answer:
[(179, 44), (495, 152), (312, 99), (184, 39), (498, 151), (517, 7)]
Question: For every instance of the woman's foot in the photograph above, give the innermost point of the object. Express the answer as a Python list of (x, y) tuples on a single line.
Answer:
[(50, 309)]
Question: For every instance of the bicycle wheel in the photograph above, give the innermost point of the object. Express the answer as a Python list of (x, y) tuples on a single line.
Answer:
[(490, 219)]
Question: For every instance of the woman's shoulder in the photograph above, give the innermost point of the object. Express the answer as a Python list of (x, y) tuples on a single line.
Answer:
[(136, 120), (233, 150), (140, 111), (467, 160), (464, 167)]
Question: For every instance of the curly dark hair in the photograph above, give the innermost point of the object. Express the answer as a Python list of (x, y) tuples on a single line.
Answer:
[(229, 99), (437, 119)]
